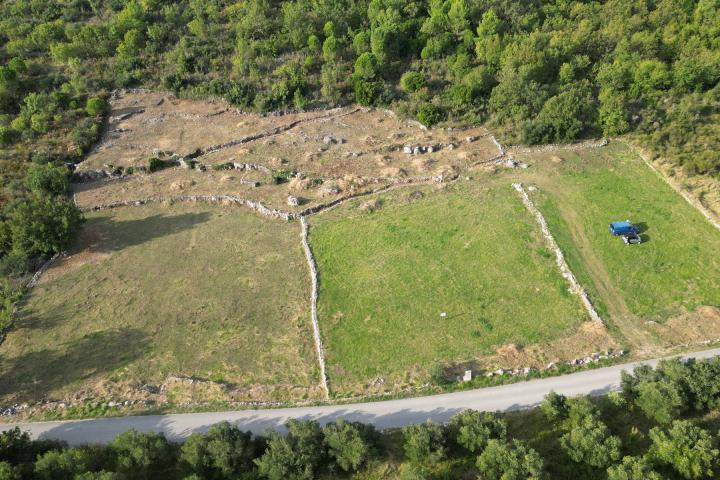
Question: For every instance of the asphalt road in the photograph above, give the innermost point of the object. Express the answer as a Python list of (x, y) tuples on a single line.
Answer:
[(385, 414)]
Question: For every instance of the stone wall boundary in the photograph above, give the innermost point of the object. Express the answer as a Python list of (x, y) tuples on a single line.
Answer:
[(252, 204), (575, 286), (313, 305)]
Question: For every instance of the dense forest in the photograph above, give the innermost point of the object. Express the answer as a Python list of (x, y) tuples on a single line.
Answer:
[(540, 71), (660, 426)]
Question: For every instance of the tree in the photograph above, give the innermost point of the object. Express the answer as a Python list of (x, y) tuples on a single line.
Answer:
[(633, 468), (47, 179), (350, 444), (554, 406), (43, 225), (509, 461), (660, 400), (62, 464), (142, 455), (366, 67), (703, 385), (7, 472), (424, 443), (688, 449), (472, 430), (223, 452), (589, 441), (15, 446), (299, 455)]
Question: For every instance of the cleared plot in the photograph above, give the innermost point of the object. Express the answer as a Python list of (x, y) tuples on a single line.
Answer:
[(155, 292), (452, 276), (673, 272)]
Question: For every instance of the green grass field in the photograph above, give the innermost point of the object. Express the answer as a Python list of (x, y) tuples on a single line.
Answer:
[(472, 252), (678, 265), (217, 293), (676, 268)]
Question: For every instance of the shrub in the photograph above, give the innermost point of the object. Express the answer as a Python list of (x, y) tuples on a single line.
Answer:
[(95, 106), (412, 81), (367, 92), (155, 164), (7, 136), (429, 114)]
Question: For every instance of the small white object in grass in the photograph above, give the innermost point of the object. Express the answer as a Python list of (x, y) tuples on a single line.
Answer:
[(443, 315)]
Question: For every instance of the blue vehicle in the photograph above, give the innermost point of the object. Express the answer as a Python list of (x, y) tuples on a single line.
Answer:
[(626, 230)]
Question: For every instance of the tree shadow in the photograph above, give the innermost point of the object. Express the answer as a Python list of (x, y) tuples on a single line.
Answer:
[(34, 375), (107, 234)]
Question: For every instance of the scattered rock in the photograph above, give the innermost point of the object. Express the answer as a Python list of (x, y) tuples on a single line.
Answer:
[(467, 376), (416, 195), (293, 201), (370, 206)]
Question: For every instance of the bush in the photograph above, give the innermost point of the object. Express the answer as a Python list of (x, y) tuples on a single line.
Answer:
[(472, 430), (367, 92), (95, 106), (155, 164), (7, 136), (429, 114), (412, 81), (85, 133), (424, 443)]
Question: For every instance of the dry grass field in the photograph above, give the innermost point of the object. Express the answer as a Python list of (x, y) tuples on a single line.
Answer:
[(156, 292)]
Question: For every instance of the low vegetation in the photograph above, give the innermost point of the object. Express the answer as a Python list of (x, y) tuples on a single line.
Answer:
[(661, 425), (157, 292), (670, 275), (448, 277)]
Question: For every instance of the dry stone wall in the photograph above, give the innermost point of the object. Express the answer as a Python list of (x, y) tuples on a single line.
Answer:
[(313, 305), (575, 286), (227, 199)]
